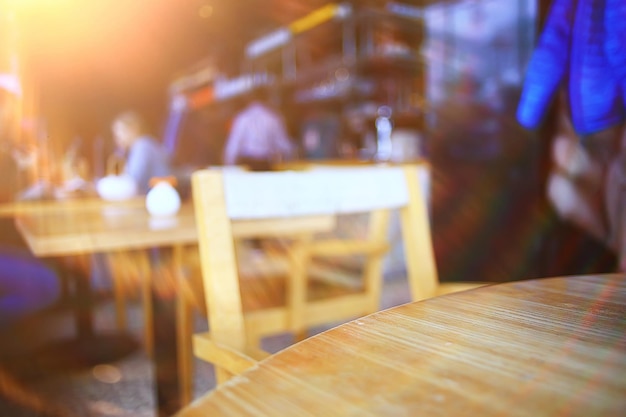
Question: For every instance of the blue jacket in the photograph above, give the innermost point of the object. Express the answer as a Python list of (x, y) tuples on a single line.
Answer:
[(584, 45)]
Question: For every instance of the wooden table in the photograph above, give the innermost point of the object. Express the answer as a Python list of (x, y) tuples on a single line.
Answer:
[(49, 211), (25, 207), (101, 227), (104, 228), (550, 347)]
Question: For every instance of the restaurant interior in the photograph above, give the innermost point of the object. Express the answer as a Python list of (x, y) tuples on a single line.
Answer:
[(360, 83)]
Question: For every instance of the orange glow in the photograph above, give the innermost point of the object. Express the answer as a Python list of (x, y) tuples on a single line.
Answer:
[(205, 11), (90, 59), (108, 374), (201, 97), (68, 35), (68, 26)]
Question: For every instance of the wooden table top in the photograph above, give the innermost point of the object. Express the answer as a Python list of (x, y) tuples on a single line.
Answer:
[(104, 226), (19, 208), (550, 347)]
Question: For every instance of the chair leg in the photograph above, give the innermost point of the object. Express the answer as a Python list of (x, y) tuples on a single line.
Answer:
[(184, 325), (185, 349), (254, 339), (119, 293), (221, 375), (373, 273), (299, 257), (146, 302), (300, 335)]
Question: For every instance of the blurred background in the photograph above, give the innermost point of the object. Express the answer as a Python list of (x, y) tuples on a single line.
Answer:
[(362, 80), (449, 73)]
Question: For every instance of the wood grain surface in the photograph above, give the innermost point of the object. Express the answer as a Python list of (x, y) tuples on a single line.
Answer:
[(549, 347), (112, 227), (17, 208)]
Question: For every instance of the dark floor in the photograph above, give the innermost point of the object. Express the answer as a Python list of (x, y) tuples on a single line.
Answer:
[(122, 388), (490, 223)]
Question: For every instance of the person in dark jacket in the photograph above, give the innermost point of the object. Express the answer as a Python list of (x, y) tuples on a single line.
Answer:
[(581, 58), (26, 283)]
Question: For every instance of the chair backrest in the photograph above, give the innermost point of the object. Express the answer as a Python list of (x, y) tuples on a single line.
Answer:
[(259, 204)]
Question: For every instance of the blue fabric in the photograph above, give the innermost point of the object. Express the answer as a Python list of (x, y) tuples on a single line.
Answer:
[(26, 285), (615, 46), (583, 44), (147, 159)]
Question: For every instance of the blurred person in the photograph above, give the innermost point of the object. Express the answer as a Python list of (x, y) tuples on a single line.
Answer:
[(144, 157), (581, 52), (587, 183), (26, 284), (616, 202), (576, 182), (258, 135), (141, 158), (580, 56)]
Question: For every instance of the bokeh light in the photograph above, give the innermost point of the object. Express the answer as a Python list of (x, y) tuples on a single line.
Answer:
[(108, 374), (205, 11)]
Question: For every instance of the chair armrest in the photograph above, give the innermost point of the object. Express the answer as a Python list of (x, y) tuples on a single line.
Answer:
[(339, 247), (226, 357)]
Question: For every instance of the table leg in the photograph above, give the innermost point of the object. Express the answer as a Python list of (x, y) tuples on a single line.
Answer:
[(83, 304), (167, 382)]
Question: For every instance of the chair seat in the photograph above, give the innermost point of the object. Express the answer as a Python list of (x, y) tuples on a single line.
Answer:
[(263, 282), (262, 272), (266, 292)]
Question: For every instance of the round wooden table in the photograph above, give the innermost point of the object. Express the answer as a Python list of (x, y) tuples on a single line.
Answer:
[(548, 347)]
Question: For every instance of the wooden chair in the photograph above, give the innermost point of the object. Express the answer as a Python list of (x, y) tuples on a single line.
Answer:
[(297, 205)]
